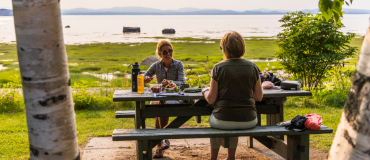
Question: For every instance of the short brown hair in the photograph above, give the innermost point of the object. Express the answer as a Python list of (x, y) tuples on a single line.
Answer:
[(160, 45), (233, 45)]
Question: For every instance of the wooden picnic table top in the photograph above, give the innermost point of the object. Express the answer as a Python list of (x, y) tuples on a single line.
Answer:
[(128, 95)]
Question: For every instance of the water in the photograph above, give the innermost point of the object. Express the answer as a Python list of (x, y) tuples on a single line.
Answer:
[(108, 28)]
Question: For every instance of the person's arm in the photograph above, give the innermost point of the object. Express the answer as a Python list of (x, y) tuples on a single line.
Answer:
[(257, 92), (148, 76), (211, 94), (181, 75)]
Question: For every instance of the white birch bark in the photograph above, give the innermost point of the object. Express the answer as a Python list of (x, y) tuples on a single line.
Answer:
[(45, 79), (352, 138)]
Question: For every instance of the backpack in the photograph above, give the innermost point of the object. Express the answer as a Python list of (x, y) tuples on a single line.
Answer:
[(297, 123), (313, 122)]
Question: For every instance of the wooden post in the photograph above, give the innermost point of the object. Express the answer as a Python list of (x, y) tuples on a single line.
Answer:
[(45, 80), (142, 107), (137, 115), (139, 150), (298, 147)]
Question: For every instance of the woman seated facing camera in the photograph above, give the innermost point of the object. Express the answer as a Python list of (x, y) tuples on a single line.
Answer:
[(167, 71), (235, 86)]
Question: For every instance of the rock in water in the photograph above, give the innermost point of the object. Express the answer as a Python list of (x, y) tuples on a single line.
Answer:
[(168, 31), (131, 29), (149, 61)]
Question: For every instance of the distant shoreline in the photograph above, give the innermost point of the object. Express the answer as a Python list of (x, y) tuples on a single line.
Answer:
[(112, 14), (130, 10)]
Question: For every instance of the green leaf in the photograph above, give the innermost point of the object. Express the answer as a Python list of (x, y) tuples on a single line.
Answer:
[(337, 7), (324, 5)]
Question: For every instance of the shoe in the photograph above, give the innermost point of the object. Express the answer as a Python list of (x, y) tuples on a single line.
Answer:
[(165, 144), (159, 153)]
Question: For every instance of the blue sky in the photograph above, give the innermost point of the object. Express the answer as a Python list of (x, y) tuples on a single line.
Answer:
[(238, 5)]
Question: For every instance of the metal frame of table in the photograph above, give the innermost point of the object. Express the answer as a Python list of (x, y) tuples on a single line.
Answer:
[(272, 105)]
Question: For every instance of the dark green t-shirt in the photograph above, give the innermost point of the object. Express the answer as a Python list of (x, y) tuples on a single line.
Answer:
[(236, 80)]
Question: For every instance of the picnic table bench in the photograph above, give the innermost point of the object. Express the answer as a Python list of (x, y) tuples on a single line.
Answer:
[(296, 147), (272, 136)]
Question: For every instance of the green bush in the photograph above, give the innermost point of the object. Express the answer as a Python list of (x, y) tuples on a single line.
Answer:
[(309, 46), (335, 97), (10, 98), (85, 98), (334, 92)]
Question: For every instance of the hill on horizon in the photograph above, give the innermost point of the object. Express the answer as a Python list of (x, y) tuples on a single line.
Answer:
[(181, 11)]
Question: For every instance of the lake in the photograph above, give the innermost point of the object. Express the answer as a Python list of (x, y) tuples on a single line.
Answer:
[(108, 28)]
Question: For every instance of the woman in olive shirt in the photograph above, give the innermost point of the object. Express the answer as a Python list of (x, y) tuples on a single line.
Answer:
[(235, 86)]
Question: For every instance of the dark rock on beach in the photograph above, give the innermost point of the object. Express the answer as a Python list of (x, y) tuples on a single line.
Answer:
[(131, 29), (168, 31), (149, 61)]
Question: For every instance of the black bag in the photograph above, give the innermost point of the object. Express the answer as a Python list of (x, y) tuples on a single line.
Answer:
[(297, 123), (273, 79)]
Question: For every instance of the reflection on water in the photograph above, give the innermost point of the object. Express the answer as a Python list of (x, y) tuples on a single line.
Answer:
[(104, 76), (108, 76), (108, 28)]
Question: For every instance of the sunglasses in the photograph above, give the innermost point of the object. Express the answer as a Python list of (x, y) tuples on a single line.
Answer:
[(166, 52)]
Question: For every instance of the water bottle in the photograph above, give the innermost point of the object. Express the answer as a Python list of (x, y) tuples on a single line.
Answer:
[(140, 83), (134, 73)]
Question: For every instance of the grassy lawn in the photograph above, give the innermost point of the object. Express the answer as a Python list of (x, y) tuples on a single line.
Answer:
[(14, 137), (111, 57)]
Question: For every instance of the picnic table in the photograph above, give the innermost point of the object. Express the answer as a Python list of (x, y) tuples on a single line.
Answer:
[(272, 105)]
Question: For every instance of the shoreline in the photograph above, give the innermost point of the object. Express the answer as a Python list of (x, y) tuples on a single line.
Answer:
[(157, 39)]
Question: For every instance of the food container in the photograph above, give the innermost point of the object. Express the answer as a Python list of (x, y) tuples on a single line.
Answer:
[(177, 89), (155, 88), (170, 90)]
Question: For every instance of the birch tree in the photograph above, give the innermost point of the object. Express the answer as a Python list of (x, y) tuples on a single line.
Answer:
[(352, 138), (45, 79)]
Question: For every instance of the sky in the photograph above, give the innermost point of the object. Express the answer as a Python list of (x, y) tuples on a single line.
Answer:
[(237, 5)]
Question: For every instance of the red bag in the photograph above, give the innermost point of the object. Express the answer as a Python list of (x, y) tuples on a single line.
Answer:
[(313, 122)]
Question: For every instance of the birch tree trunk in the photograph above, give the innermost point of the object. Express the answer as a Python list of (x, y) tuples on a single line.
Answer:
[(352, 139), (46, 86)]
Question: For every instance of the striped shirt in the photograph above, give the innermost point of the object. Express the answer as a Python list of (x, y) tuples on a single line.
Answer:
[(175, 72)]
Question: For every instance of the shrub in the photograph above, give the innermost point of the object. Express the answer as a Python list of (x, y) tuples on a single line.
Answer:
[(11, 100), (85, 98), (336, 88), (199, 81), (309, 46)]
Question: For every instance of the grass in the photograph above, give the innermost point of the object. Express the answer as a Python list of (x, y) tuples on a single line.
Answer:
[(110, 57)]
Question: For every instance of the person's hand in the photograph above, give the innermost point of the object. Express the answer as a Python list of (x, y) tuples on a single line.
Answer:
[(147, 79), (205, 89), (267, 85), (165, 82)]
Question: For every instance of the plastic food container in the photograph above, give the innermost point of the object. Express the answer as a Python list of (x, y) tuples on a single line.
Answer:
[(170, 90), (155, 88)]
